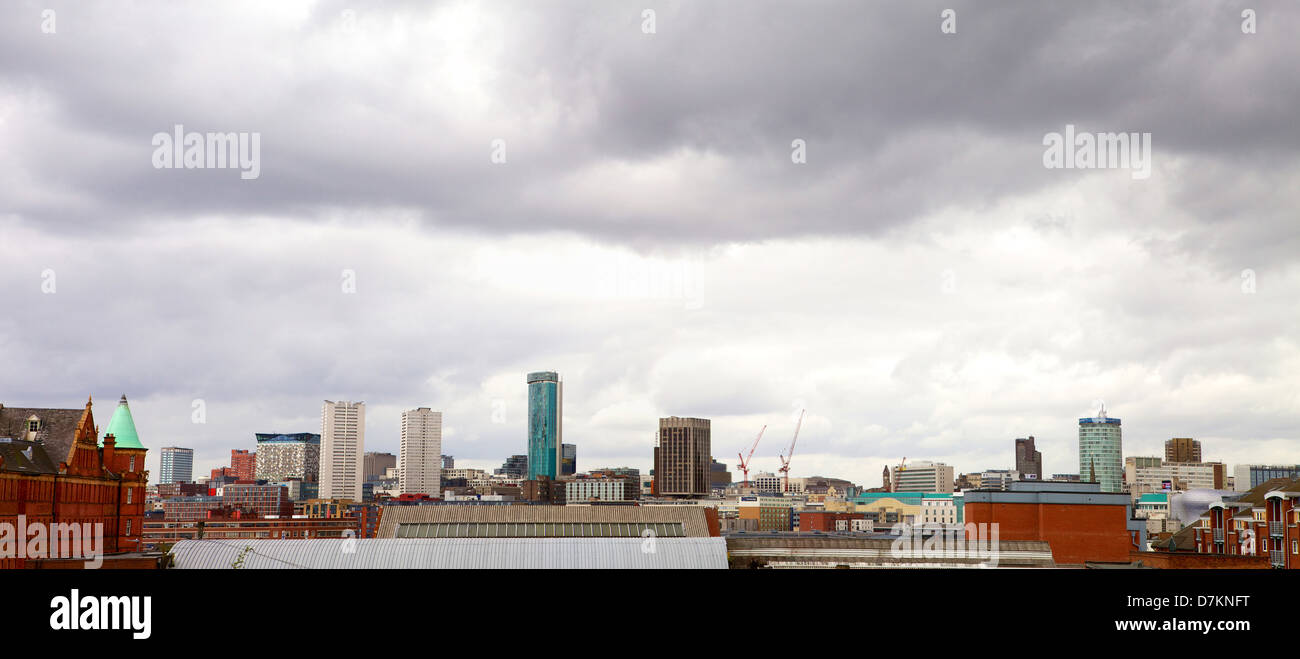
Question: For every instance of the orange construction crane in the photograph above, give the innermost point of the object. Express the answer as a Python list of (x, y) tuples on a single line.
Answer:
[(744, 461), (785, 459)]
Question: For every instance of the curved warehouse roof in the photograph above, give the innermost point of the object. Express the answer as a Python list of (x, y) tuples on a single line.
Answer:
[(454, 553)]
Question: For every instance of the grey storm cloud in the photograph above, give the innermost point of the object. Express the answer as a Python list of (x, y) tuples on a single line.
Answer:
[(923, 284)]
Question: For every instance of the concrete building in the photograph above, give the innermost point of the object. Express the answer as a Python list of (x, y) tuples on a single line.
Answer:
[(1101, 451), (420, 469), (1029, 461), (176, 465), (286, 456), (1182, 449), (940, 508), (342, 446), (923, 476), (377, 464), (545, 424), (1142, 475), (586, 490), (1250, 476), (997, 479), (682, 458)]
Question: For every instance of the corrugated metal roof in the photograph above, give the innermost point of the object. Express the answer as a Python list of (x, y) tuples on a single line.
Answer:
[(455, 553), (693, 518)]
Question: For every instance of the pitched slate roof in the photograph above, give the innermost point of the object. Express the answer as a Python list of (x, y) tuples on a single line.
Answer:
[(58, 428), (26, 457)]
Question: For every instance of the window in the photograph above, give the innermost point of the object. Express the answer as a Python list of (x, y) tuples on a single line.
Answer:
[(132, 464), (1295, 546), (129, 492), (128, 527), (33, 424)]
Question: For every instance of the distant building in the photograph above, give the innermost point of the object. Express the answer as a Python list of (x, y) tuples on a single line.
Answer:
[(600, 488), (1142, 474), (176, 466), (1081, 523), (1182, 449), (243, 464), (281, 456), (997, 479), (342, 445), (1101, 452), (1029, 461), (1249, 477), (923, 476), (448, 462), (682, 457), (420, 469), (766, 483), (516, 466), (545, 424), (375, 464), (719, 477), (569, 461)]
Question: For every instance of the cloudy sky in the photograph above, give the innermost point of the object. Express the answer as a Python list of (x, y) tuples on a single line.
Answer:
[(453, 194)]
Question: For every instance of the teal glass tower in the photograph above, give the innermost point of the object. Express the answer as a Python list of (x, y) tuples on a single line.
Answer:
[(545, 424), (1101, 451)]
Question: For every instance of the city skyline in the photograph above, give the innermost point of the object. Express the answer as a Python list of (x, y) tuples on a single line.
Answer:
[(727, 217)]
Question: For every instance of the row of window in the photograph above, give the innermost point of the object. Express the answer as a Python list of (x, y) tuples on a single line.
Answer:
[(538, 530)]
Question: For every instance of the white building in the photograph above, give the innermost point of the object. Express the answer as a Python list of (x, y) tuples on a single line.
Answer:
[(766, 482), (342, 444), (939, 508), (583, 490), (419, 470), (923, 477)]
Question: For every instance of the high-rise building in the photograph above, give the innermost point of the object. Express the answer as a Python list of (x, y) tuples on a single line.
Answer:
[(545, 424), (569, 459), (1101, 451), (923, 476), (1029, 462), (342, 445), (376, 464), (448, 462), (177, 465), (243, 464), (1182, 449), (287, 456), (420, 469), (683, 457)]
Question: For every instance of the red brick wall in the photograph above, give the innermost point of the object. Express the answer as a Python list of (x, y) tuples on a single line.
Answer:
[(1077, 533), (1193, 561)]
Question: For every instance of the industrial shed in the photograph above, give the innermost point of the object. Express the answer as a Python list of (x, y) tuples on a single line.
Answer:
[(453, 553)]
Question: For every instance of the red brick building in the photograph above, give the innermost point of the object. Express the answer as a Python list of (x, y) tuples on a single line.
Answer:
[(1263, 522), (1079, 522), (243, 464), (56, 468), (820, 520)]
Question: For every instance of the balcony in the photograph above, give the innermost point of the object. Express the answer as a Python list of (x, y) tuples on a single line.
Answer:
[(1275, 529), (1277, 558), (1218, 535)]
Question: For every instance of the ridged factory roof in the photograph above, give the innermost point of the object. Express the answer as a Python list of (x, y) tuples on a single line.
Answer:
[(454, 553), (693, 519)]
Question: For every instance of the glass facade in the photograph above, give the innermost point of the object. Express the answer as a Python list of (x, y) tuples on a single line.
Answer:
[(545, 409), (1101, 452)]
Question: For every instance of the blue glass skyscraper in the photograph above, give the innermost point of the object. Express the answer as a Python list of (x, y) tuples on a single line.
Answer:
[(1101, 451), (545, 424)]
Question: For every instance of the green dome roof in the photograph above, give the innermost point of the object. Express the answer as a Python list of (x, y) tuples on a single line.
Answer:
[(122, 427)]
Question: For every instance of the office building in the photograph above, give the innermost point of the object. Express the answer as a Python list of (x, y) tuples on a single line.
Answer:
[(1142, 474), (1101, 451), (682, 458), (923, 476), (177, 465), (516, 466), (1248, 477), (376, 464), (1182, 449), (545, 424), (569, 459), (448, 462), (342, 445), (287, 456), (420, 469), (719, 477), (1029, 461)]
